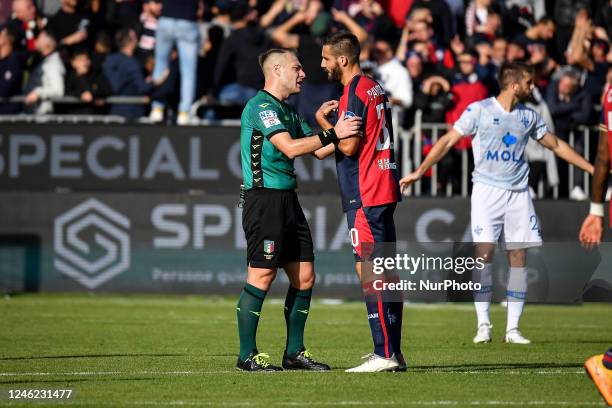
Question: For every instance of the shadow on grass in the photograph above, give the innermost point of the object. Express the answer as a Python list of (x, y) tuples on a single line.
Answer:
[(88, 356)]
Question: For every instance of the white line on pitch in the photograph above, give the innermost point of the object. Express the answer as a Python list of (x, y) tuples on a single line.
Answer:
[(340, 403), (117, 373), (374, 403), (103, 373)]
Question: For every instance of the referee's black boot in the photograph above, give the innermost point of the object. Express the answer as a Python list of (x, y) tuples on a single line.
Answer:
[(256, 361), (303, 361)]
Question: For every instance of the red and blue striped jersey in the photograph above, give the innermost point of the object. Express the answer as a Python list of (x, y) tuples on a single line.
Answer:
[(368, 178)]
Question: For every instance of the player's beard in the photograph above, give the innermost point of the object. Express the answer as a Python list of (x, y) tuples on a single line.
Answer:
[(524, 95), (334, 74)]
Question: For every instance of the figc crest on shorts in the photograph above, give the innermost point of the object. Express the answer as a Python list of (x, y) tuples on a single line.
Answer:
[(269, 247)]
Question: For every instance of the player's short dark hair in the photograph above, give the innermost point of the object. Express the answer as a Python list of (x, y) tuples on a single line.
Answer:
[(263, 57), (513, 72), (344, 43)]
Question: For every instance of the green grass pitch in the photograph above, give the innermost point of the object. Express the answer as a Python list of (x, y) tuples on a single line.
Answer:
[(180, 351)]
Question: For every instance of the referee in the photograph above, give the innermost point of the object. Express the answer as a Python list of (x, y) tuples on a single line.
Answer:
[(272, 135)]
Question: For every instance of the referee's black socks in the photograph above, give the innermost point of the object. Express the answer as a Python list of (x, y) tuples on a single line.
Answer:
[(297, 307), (248, 311)]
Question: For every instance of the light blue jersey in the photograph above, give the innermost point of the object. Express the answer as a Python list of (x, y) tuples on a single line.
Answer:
[(499, 141)]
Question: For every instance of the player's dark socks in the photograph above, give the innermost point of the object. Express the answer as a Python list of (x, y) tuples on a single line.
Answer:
[(248, 311), (379, 325), (303, 361), (395, 312), (297, 307), (394, 304), (607, 359)]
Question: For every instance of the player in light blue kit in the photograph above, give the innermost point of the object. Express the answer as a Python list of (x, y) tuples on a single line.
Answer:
[(501, 205)]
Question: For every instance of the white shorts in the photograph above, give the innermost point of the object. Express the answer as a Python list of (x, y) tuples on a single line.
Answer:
[(509, 216)]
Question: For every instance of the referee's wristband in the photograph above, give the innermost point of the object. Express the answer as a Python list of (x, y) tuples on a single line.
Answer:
[(597, 209), (328, 136)]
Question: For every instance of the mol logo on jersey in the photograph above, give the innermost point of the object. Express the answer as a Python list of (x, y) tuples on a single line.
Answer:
[(505, 155), (509, 140)]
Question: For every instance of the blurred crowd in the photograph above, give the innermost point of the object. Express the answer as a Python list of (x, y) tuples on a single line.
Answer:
[(434, 56)]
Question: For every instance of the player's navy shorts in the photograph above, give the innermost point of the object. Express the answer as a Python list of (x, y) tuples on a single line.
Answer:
[(370, 225), (276, 229)]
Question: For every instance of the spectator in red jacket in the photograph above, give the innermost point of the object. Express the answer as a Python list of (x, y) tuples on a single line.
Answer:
[(466, 87)]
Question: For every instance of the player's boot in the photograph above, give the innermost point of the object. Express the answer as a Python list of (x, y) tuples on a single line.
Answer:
[(601, 376), (256, 361), (303, 361), (374, 364), (515, 336), (483, 335), (402, 366)]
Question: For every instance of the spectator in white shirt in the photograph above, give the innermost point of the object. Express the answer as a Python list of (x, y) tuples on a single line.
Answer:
[(47, 78), (393, 76)]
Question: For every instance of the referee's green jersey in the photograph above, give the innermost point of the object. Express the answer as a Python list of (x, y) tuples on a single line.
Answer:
[(263, 165)]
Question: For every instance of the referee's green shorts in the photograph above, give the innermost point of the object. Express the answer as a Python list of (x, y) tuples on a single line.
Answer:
[(276, 229)]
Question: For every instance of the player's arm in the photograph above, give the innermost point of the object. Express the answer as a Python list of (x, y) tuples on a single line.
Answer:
[(564, 151), (293, 148), (438, 151), (602, 168), (321, 117), (591, 231), (324, 152), (347, 146)]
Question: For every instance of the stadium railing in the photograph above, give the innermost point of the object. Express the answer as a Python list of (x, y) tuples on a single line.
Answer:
[(411, 156), (110, 119), (131, 100)]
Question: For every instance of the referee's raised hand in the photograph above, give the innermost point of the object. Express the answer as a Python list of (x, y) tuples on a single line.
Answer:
[(348, 127)]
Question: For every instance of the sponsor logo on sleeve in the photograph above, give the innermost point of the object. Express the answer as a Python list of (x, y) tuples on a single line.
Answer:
[(269, 118)]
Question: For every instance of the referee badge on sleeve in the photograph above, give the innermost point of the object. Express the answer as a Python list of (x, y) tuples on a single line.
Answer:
[(269, 118), (269, 249)]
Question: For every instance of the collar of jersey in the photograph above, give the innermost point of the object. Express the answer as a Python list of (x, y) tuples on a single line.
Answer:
[(501, 108), (272, 96), (352, 79)]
